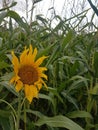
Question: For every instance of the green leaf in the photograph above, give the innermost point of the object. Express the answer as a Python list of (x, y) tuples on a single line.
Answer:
[(36, 1), (2, 16), (93, 7), (4, 114), (58, 121), (13, 4), (46, 50), (77, 114), (69, 37), (4, 123), (3, 65), (43, 96), (4, 119), (55, 92), (54, 55), (16, 17), (77, 80), (94, 90), (5, 82), (96, 63), (70, 99), (38, 17), (36, 113), (8, 86), (1, 41)]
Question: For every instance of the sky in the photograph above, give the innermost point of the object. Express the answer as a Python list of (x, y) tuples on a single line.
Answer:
[(50, 8), (45, 7)]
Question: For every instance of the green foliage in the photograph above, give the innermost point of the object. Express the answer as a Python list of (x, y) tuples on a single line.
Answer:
[(71, 100), (58, 121)]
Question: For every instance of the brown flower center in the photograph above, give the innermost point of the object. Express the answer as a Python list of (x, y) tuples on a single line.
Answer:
[(28, 74)]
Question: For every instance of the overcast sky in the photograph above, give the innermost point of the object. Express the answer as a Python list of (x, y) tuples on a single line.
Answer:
[(49, 8), (45, 7)]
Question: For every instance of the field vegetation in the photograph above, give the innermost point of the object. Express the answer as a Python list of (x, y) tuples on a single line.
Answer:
[(71, 100)]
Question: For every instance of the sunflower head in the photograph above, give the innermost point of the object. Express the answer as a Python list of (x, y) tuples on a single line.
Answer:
[(28, 74)]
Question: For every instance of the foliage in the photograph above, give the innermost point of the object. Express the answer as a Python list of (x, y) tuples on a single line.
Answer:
[(71, 99)]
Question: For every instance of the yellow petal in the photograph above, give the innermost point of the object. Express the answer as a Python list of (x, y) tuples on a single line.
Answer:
[(44, 76), (34, 91), (31, 57), (44, 83), (39, 86), (19, 86), (14, 79), (15, 62), (23, 56), (41, 69), (30, 92), (40, 60), (29, 54), (30, 50), (34, 54)]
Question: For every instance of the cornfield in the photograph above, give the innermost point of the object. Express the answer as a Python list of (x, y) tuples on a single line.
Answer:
[(68, 99)]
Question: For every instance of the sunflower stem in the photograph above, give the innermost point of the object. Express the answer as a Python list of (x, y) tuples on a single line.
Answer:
[(25, 115), (18, 112)]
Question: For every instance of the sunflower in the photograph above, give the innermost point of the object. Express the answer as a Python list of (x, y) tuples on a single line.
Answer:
[(28, 74)]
